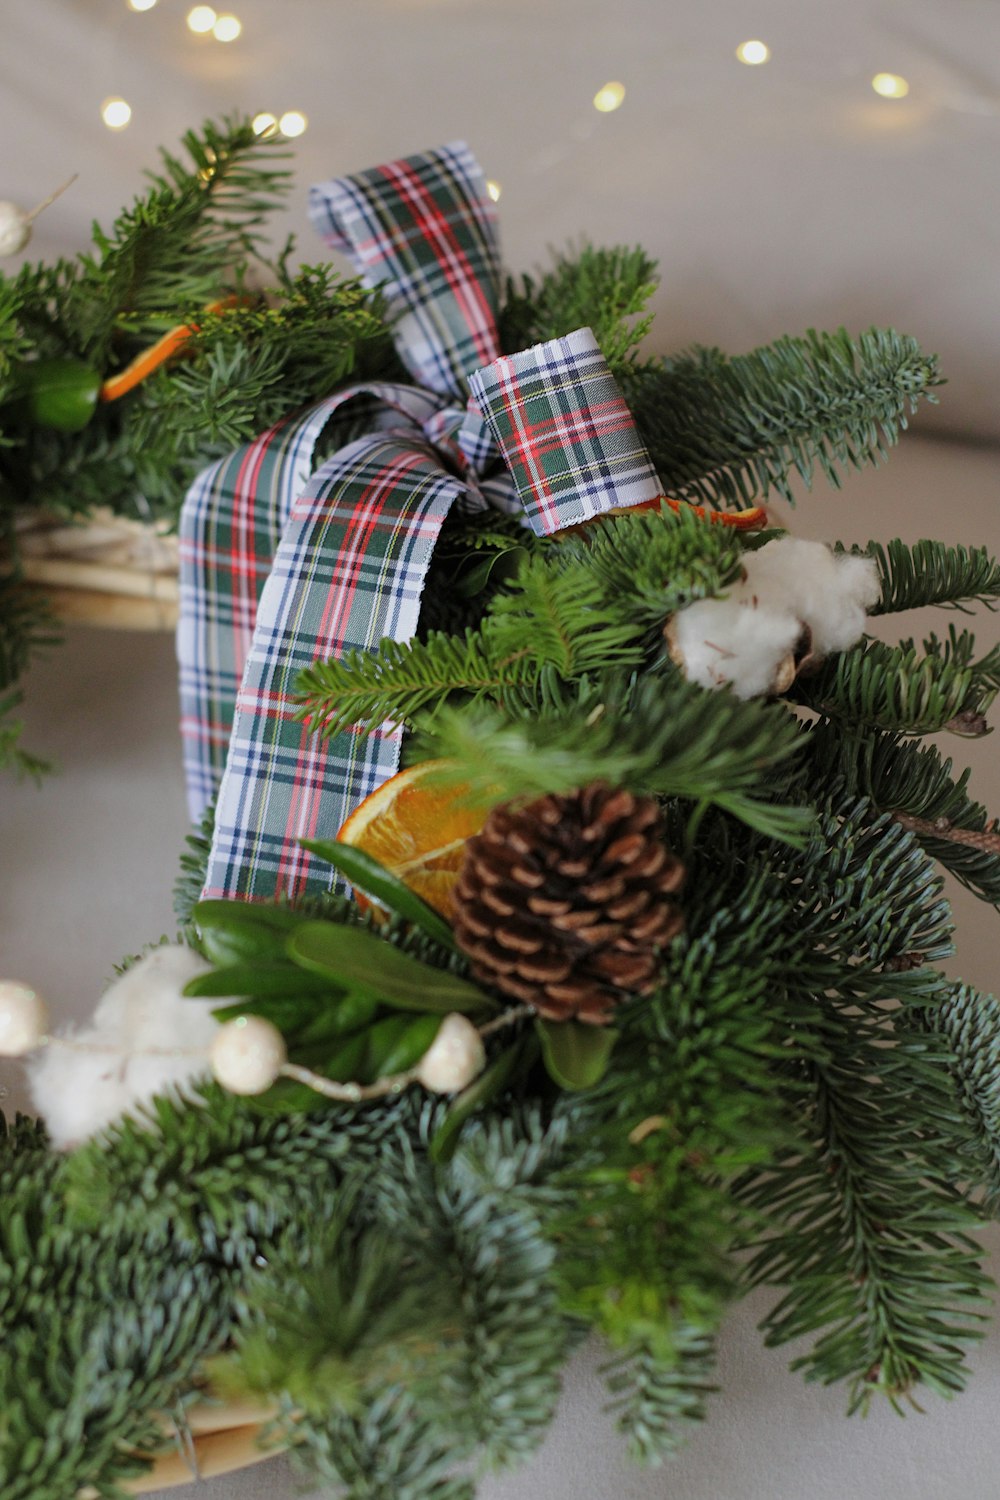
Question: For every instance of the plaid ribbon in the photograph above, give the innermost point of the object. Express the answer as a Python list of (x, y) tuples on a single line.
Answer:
[(279, 569), (567, 436), (424, 230)]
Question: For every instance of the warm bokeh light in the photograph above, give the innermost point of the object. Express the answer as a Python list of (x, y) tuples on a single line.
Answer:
[(116, 113), (227, 28), (264, 123), (141, 4), (753, 53), (890, 85), (293, 122), (609, 97), (494, 190), (201, 19)]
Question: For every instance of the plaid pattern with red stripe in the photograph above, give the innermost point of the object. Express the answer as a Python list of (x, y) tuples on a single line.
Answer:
[(565, 430), (348, 572), (352, 545), (423, 229)]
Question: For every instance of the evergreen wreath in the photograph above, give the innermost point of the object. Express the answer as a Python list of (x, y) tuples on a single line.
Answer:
[(675, 1027)]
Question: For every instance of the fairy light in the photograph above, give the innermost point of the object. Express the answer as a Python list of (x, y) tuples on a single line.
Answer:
[(494, 189), (292, 123), (890, 85), (264, 123), (201, 19), (227, 28), (141, 4), (116, 113), (753, 53), (609, 97)]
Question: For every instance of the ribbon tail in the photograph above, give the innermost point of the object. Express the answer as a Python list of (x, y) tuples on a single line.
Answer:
[(230, 525), (348, 572)]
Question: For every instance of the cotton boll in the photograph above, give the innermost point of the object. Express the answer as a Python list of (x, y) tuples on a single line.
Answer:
[(77, 1092), (145, 1038), (734, 641), (827, 591)]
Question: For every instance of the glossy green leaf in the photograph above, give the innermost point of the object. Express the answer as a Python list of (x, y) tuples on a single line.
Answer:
[(397, 1043), (62, 393), (260, 979), (306, 1020), (576, 1056), (237, 932), (368, 875), (359, 961)]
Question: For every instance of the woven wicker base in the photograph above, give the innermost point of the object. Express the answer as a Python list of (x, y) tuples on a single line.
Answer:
[(219, 1440), (108, 571)]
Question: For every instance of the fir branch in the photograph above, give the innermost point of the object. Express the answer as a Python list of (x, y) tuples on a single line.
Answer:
[(193, 866), (914, 780), (969, 1022), (897, 688), (392, 1451), (726, 431), (931, 573), (572, 611), (558, 615), (359, 688), (660, 735), (605, 290), (659, 1400), (651, 563), (868, 1238)]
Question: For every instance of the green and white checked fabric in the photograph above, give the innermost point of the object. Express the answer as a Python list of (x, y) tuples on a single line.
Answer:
[(424, 229), (562, 425), (279, 570), (348, 572)]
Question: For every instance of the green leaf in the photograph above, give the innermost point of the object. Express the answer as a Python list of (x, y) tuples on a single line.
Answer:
[(259, 980), (306, 1020), (368, 875), (486, 1087), (575, 1055), (236, 932), (363, 963), (397, 1043)]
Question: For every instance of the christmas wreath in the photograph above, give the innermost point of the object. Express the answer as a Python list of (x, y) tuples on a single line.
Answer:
[(622, 996)]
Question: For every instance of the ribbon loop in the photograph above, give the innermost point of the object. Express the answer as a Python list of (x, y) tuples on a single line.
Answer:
[(565, 431), (423, 230)]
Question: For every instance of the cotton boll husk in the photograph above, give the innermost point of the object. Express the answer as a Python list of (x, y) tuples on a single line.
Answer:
[(145, 1038), (828, 591), (734, 641)]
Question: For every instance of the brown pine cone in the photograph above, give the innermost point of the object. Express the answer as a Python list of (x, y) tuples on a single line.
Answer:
[(563, 902)]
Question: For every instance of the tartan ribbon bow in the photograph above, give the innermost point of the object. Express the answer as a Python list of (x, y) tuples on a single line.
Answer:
[(282, 564)]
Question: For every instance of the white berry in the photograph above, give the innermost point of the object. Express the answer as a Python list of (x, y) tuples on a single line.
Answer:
[(248, 1054), (15, 228), (23, 1018), (454, 1058)]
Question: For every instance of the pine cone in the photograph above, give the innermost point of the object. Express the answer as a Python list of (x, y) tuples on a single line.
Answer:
[(562, 903)]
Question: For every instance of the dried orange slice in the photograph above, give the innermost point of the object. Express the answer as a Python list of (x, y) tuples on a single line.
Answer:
[(416, 826)]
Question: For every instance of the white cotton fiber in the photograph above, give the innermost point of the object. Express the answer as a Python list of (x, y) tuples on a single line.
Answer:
[(145, 1038), (828, 591), (733, 641)]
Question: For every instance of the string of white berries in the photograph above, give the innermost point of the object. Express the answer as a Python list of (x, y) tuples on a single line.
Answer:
[(796, 599), (15, 224), (146, 1037)]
